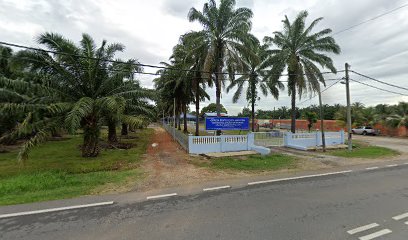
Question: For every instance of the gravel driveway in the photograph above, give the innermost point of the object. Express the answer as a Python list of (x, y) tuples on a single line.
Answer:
[(399, 144)]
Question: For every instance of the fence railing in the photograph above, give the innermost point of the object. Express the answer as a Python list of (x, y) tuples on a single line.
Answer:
[(180, 137), (223, 143)]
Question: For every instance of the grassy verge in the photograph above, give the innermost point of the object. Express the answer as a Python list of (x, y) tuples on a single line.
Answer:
[(253, 162), (56, 170), (361, 150)]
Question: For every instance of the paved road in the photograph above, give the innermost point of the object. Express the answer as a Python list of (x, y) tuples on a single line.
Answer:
[(399, 144), (322, 208)]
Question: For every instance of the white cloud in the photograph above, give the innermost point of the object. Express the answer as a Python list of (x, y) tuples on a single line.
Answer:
[(150, 29)]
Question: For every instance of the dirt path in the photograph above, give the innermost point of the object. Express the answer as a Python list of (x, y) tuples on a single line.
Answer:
[(167, 164)]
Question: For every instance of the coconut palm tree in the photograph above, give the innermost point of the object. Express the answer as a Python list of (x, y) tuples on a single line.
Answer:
[(255, 75), (298, 49), (77, 89), (226, 30)]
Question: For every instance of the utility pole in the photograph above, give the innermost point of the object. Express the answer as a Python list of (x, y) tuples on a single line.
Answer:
[(349, 139), (321, 120)]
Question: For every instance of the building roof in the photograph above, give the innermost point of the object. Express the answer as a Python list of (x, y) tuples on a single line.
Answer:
[(214, 114)]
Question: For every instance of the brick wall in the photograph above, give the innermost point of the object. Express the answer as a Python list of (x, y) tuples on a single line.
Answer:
[(333, 125)]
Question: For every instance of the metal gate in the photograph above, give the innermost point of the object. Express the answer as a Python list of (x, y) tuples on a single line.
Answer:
[(268, 139)]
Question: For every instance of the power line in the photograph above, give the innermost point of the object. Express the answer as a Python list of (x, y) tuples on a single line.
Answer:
[(327, 88), (385, 90), (131, 72), (371, 78), (371, 19), (140, 64)]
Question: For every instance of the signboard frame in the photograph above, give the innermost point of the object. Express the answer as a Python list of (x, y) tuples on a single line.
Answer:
[(227, 123)]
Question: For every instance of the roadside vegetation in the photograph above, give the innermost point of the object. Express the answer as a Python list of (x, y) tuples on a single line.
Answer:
[(363, 150), (57, 170), (251, 163)]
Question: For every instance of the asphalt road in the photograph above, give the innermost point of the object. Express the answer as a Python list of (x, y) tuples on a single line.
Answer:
[(321, 208)]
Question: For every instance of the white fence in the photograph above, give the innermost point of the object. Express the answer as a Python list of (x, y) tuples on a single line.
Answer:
[(259, 141), (180, 137), (224, 143), (303, 141)]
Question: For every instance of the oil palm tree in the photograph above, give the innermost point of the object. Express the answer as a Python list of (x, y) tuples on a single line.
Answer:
[(226, 30), (400, 116), (193, 51), (76, 91), (254, 75), (299, 49)]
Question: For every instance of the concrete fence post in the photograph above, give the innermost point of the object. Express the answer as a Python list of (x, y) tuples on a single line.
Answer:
[(342, 140), (250, 140), (286, 137)]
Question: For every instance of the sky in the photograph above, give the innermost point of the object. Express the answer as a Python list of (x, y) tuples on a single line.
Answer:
[(150, 29)]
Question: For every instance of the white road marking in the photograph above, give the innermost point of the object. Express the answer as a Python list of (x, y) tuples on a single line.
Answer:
[(406, 163), (55, 209), (161, 196), (406, 223), (399, 217), (376, 234), (392, 165), (362, 228), (216, 188), (372, 168), (300, 177)]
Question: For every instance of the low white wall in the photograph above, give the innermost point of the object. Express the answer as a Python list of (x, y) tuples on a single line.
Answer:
[(303, 141), (223, 143)]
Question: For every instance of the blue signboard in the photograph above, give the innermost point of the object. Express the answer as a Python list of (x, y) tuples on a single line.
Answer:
[(227, 123)]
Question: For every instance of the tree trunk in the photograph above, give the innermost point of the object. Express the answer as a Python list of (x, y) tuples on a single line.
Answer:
[(218, 93), (112, 136), (175, 117), (124, 131), (185, 130), (253, 116), (178, 118), (293, 122), (253, 99), (197, 103), (90, 147)]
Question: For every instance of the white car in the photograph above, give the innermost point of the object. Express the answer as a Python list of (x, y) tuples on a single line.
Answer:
[(365, 130)]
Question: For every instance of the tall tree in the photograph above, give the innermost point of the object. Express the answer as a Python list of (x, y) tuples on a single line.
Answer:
[(226, 29), (299, 49), (254, 74), (75, 91)]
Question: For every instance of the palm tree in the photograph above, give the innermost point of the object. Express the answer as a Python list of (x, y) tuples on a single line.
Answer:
[(226, 32), (255, 76), (76, 91), (298, 50), (185, 86), (400, 117), (194, 50)]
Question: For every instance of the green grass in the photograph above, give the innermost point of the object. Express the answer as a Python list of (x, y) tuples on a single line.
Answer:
[(50, 185), (56, 170), (253, 162), (364, 151)]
